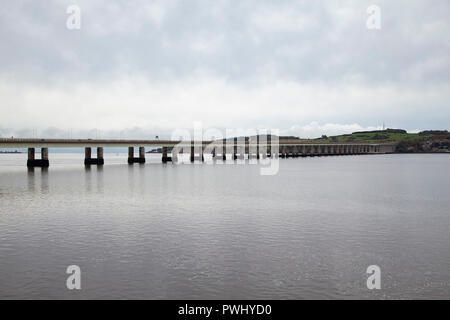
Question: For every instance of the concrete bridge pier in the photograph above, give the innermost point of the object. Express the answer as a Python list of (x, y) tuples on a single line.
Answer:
[(289, 153), (175, 152), (257, 147), (200, 152), (88, 160), (303, 151), (132, 159), (33, 162), (165, 157), (253, 148)]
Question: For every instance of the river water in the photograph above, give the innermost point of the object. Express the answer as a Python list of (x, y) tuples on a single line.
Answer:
[(192, 231)]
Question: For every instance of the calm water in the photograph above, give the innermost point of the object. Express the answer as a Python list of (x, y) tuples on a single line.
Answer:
[(223, 231)]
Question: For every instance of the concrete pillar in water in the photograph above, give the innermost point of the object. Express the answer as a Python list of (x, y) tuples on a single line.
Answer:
[(100, 160), (88, 160), (130, 155), (87, 156), (257, 147), (33, 162), (165, 158), (224, 151), (283, 152), (141, 158), (175, 152), (44, 154), (164, 154), (31, 154), (303, 150), (317, 150), (132, 159), (288, 152), (99, 153)]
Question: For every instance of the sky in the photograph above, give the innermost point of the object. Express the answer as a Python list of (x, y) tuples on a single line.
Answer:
[(137, 69)]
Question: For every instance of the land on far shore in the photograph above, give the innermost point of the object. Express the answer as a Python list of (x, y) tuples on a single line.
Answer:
[(424, 141)]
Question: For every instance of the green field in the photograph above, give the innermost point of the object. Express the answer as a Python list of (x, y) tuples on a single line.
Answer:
[(376, 136)]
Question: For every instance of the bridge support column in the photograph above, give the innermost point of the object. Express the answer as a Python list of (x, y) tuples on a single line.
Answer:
[(132, 159), (165, 157), (33, 162), (142, 153), (283, 152), (224, 151), (303, 150), (88, 160), (100, 156), (175, 152), (192, 157), (257, 147), (289, 152)]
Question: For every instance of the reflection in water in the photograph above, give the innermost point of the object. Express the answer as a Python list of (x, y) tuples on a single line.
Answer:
[(40, 176), (31, 180), (224, 231), (93, 178), (45, 187)]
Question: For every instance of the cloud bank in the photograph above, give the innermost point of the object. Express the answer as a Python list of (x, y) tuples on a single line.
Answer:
[(143, 68)]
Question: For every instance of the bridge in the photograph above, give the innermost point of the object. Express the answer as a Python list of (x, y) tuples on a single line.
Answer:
[(238, 148)]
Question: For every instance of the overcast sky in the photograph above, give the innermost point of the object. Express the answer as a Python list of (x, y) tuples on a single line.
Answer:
[(137, 69)]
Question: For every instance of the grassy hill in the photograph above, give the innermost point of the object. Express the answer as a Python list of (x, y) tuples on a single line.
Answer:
[(388, 135), (437, 141)]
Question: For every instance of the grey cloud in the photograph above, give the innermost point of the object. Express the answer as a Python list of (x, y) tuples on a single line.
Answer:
[(300, 40), (136, 64)]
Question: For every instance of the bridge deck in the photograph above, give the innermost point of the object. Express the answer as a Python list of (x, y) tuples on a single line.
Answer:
[(81, 143)]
